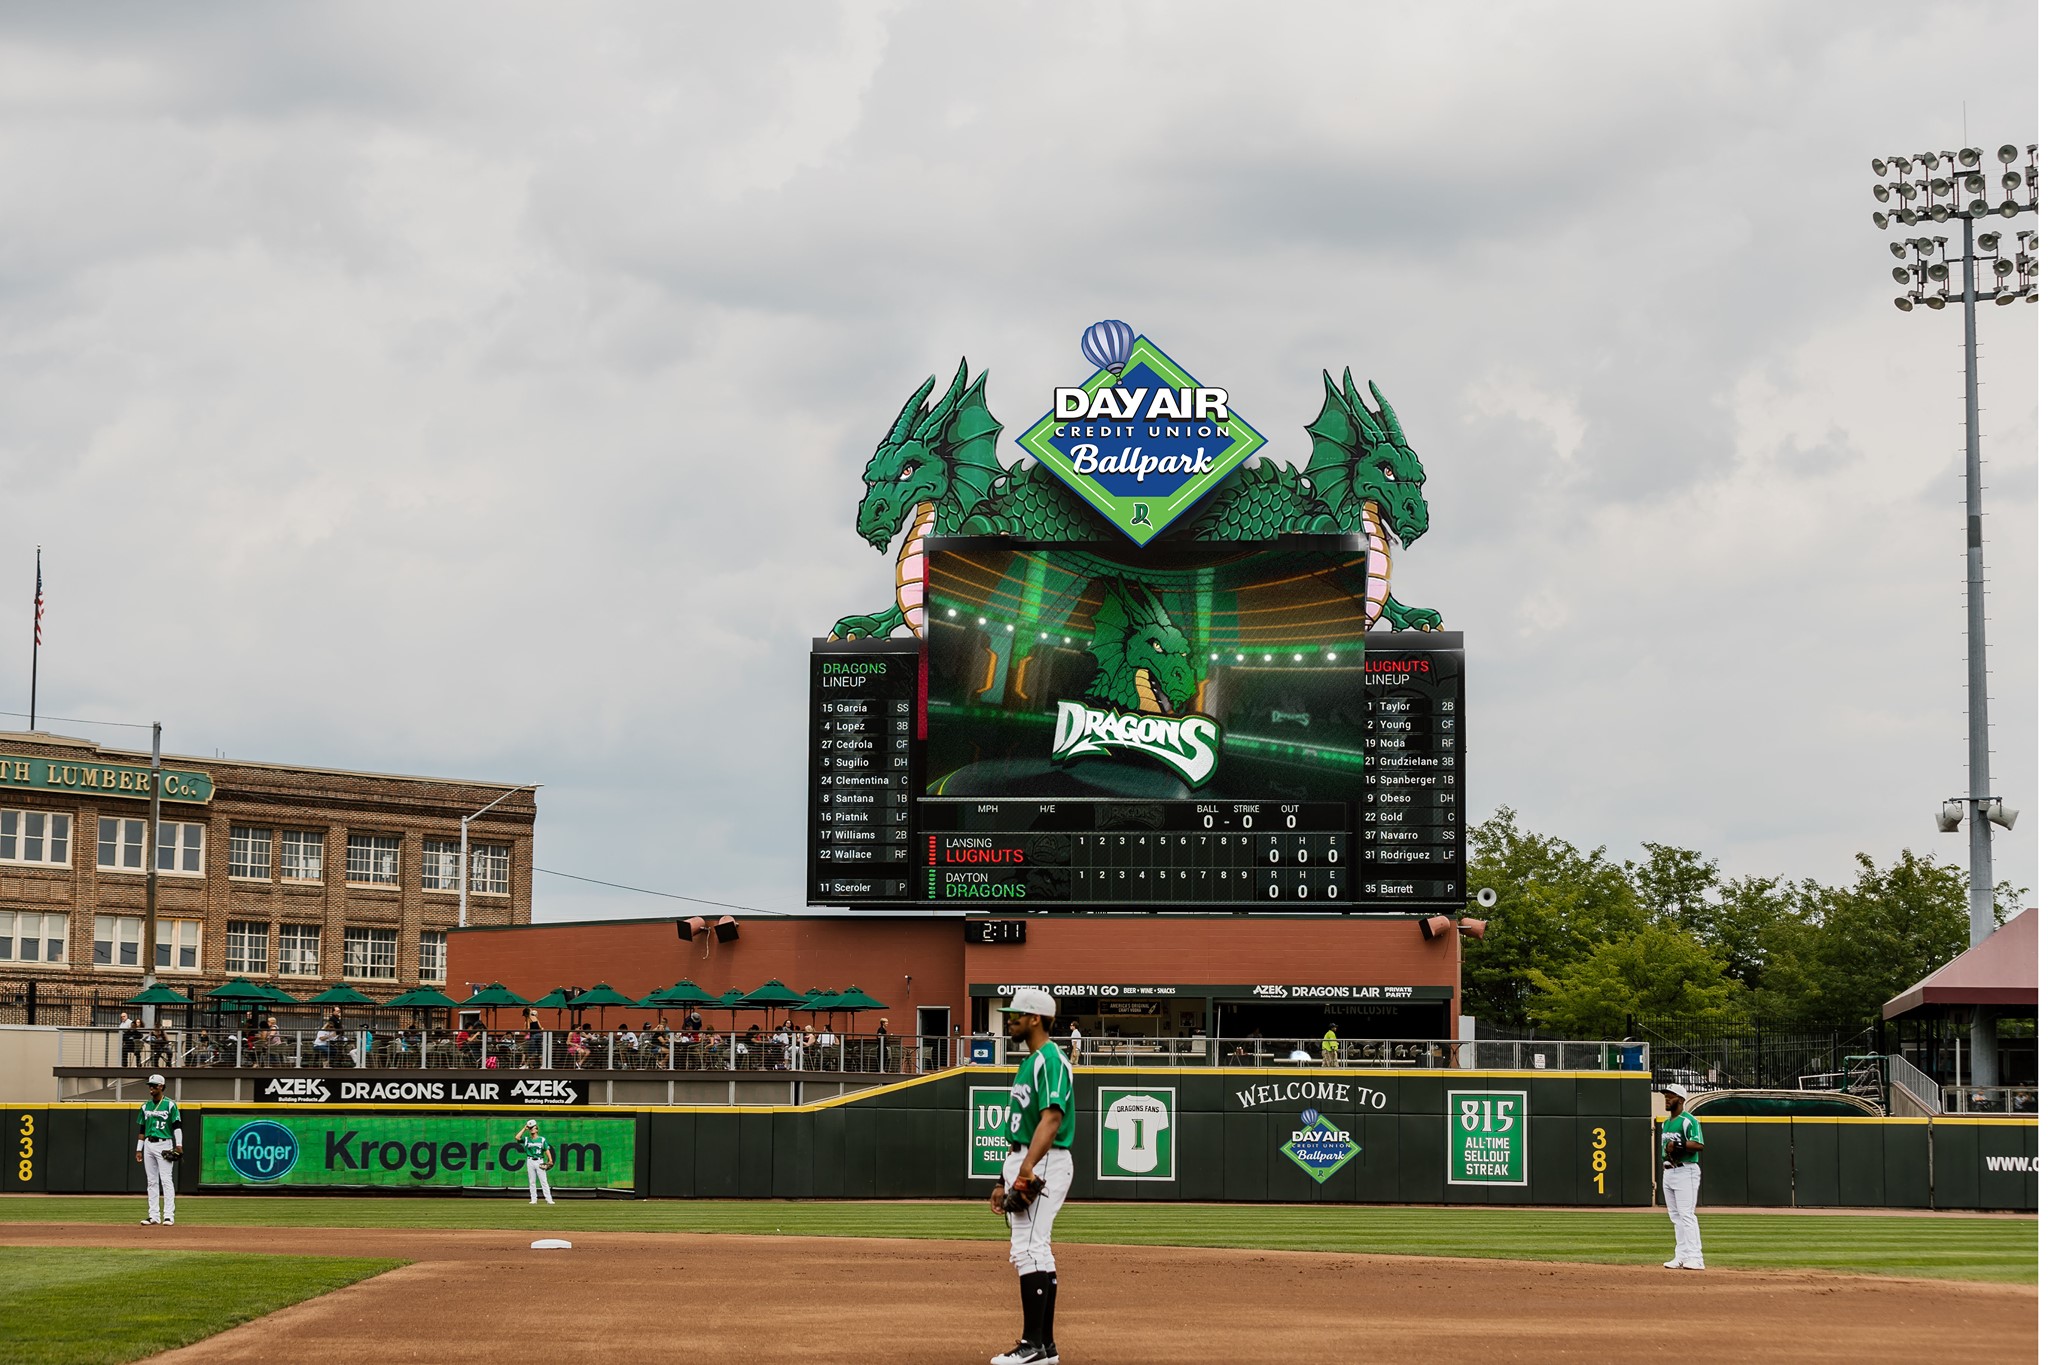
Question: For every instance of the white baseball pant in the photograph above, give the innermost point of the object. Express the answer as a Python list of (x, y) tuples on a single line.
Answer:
[(537, 1183), (161, 1173), (1031, 1230), (1682, 1201)]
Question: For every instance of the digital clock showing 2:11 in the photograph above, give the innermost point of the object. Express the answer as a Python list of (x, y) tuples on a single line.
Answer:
[(995, 930)]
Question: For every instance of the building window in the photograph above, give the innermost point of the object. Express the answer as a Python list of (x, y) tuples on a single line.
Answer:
[(298, 949), (490, 869), (28, 937), (302, 855), (34, 836), (440, 865), (177, 945), (120, 844), (180, 848), (248, 946), (249, 853), (116, 941), (433, 957), (370, 954), (373, 859)]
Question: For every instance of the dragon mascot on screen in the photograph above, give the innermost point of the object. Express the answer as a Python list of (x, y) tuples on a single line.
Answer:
[(936, 474)]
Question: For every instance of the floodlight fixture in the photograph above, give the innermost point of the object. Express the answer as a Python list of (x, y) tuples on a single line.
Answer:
[(1901, 275), (1966, 158), (1937, 271), (2011, 180), (1974, 184), (2008, 154), (1898, 249), (1936, 302), (2004, 299), (1903, 305), (1878, 165), (1938, 186), (1883, 193)]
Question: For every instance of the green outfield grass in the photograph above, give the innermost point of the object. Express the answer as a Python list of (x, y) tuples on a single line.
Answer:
[(1965, 1247), (74, 1305)]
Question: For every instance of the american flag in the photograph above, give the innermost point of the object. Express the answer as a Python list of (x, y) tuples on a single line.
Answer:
[(39, 598)]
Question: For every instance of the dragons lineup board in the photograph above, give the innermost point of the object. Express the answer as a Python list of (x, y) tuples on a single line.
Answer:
[(1092, 727)]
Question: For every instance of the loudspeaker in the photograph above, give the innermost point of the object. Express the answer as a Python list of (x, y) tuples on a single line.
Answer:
[(690, 928), (1472, 928), (727, 928), (1487, 897), (1435, 925)]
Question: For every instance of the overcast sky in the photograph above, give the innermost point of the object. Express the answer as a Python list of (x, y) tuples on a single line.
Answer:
[(483, 390)]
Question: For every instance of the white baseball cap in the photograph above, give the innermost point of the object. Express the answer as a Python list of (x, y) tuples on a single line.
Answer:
[(156, 1078), (1032, 1000), (1674, 1088)]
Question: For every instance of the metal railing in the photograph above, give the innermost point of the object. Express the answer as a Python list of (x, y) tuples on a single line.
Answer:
[(1991, 1099), (778, 1050), (1915, 1084)]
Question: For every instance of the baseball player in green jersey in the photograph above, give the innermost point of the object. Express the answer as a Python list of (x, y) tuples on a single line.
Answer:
[(1038, 1172), (539, 1157), (160, 1142), (1680, 1145)]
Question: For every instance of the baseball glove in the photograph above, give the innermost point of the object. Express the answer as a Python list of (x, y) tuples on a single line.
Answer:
[(1674, 1151), (1017, 1198)]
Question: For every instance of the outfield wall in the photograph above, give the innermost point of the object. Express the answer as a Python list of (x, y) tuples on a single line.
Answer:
[(1316, 1136)]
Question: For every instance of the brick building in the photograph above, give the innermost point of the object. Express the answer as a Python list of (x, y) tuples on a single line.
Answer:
[(302, 877)]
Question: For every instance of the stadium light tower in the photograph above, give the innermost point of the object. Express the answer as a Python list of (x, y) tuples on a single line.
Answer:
[(1955, 187)]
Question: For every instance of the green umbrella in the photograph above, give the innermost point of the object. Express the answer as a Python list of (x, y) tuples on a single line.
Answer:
[(420, 998), (158, 994), (277, 996), (772, 995), (238, 989), (340, 995), (494, 996), (688, 992), (854, 998), (553, 1000), (821, 1002), (600, 997)]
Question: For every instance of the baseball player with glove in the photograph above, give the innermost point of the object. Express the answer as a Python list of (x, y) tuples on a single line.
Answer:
[(540, 1159), (1680, 1144), (1038, 1172), (158, 1145)]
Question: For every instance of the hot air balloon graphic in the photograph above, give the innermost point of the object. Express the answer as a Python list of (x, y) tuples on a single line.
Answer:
[(1107, 345)]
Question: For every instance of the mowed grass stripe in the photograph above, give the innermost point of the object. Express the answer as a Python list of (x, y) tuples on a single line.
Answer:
[(1951, 1247), (89, 1305)]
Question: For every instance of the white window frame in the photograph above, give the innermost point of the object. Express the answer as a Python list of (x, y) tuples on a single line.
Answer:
[(369, 953), (126, 932), (490, 869), (175, 939), (293, 846), (13, 922), (291, 962), (243, 842), (433, 947), (239, 942), (180, 848), (441, 865), (47, 830), (374, 852), (130, 836)]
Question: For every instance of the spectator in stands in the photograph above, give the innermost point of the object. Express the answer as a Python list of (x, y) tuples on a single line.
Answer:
[(159, 1047), (579, 1049), (656, 1043), (625, 1045), (827, 1051), (694, 1023), (882, 1045), (1074, 1042), (529, 1049), (131, 1041), (323, 1045)]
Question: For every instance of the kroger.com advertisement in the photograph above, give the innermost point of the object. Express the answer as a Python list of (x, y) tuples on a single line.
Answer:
[(384, 1151)]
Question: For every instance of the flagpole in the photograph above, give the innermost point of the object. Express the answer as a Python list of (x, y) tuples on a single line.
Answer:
[(35, 657)]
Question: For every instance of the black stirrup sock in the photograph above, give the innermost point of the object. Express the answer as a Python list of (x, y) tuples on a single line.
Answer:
[(1052, 1298)]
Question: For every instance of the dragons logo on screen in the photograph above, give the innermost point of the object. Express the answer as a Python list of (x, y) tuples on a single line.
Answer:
[(1145, 675), (935, 472), (262, 1151)]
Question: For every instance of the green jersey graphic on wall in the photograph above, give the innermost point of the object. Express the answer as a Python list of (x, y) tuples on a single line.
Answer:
[(1043, 1081)]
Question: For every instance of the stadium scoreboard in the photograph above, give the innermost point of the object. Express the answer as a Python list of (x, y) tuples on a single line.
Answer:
[(1077, 734)]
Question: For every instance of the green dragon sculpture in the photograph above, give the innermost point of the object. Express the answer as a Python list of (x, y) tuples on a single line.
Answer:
[(936, 473), (1143, 662)]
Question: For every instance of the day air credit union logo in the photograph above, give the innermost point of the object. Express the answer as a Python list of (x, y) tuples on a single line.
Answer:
[(262, 1151), (1137, 1138), (1319, 1146), (1140, 440)]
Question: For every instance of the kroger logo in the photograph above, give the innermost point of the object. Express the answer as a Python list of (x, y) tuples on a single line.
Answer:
[(262, 1151)]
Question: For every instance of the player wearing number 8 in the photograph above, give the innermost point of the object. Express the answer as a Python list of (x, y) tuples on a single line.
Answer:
[(1681, 1144)]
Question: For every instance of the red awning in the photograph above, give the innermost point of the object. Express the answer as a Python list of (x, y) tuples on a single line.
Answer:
[(2002, 970)]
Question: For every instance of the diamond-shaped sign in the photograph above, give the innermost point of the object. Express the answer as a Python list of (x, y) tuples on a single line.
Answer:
[(1146, 456), (1319, 1146)]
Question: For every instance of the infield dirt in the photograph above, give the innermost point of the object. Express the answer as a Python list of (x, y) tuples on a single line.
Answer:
[(484, 1296)]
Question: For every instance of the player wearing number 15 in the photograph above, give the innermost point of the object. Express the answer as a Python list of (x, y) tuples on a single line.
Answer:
[(1681, 1143), (1038, 1172), (158, 1144)]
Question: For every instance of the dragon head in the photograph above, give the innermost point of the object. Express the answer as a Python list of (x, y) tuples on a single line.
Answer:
[(1143, 662), (1361, 458), (942, 454)]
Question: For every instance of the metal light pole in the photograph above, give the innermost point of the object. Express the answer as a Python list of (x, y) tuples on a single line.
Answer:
[(1941, 187), (156, 785), (462, 860)]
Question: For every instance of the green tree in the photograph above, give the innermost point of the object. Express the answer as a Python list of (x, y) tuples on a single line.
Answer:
[(1736, 925), (1556, 905), (1675, 885), (1657, 971), (1844, 951)]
